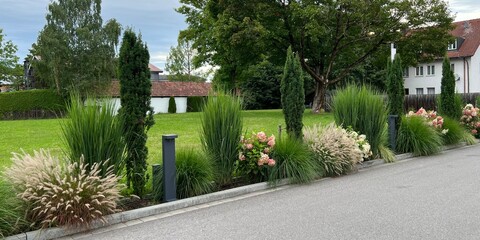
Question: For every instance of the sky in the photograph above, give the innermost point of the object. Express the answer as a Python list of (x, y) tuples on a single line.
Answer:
[(157, 20)]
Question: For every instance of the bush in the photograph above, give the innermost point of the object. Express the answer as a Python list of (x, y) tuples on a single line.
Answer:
[(195, 104), (455, 133), (18, 104), (254, 158), (220, 133), (293, 161), (62, 194), (194, 175), (93, 131), (172, 107), (12, 212), (415, 136), (363, 109), (335, 149), (470, 120)]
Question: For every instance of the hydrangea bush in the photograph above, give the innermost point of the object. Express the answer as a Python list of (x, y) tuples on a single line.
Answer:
[(470, 120), (254, 157), (431, 117)]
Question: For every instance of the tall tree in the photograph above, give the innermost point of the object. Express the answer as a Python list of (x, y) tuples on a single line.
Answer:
[(395, 89), (293, 95), (332, 38), (10, 70), (136, 112), (180, 62), (76, 50), (447, 94)]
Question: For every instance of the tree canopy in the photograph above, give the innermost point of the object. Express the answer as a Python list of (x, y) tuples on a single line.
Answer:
[(180, 63), (332, 38), (75, 49), (10, 70)]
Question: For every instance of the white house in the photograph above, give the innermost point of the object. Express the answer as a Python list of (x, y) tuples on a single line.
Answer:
[(464, 57)]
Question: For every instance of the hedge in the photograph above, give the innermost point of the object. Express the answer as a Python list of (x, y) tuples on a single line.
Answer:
[(38, 103), (195, 104)]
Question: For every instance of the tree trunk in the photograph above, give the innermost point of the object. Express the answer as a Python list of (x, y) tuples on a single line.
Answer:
[(318, 105)]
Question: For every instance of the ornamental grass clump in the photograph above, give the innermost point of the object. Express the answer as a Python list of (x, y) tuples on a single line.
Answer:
[(220, 133), (454, 133), (416, 136), (254, 158), (293, 161), (12, 212), (335, 149), (60, 193)]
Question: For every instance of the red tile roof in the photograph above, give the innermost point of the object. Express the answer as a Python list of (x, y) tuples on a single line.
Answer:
[(154, 68), (171, 89), (469, 30)]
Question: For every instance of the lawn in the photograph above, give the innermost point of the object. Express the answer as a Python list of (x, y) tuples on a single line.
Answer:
[(31, 135)]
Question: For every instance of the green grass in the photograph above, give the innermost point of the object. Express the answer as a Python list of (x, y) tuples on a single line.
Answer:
[(31, 135)]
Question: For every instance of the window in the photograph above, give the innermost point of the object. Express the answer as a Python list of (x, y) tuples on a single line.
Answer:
[(407, 92), (431, 90), (452, 67), (430, 70), (405, 72), (419, 91), (419, 71), (453, 46)]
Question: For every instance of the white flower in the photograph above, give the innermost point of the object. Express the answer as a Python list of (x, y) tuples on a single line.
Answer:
[(444, 131)]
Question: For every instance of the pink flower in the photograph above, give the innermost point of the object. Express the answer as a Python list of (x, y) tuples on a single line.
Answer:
[(241, 157), (271, 143), (266, 150), (271, 138), (478, 124), (271, 162), (262, 137), (249, 146), (264, 158), (474, 131)]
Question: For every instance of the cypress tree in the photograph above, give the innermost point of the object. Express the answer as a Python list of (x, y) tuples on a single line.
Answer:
[(135, 111), (172, 107), (395, 89), (293, 95), (447, 94)]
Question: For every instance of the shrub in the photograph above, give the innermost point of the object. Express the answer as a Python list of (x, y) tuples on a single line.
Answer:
[(455, 132), (293, 161), (60, 193), (172, 107), (470, 120), (17, 104), (335, 149), (293, 95), (416, 136), (93, 131), (363, 109), (220, 133), (194, 175), (254, 157), (195, 104), (12, 212), (395, 87), (447, 93)]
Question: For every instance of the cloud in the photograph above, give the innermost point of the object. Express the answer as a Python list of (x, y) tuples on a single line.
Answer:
[(465, 9)]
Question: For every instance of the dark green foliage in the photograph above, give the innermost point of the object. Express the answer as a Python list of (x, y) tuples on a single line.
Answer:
[(136, 112), (31, 100), (194, 175), (395, 89), (12, 211), (457, 104), (195, 104), (447, 94), (455, 132), (293, 95), (93, 130), (172, 107), (294, 161), (363, 109), (414, 135), (261, 87), (220, 134)]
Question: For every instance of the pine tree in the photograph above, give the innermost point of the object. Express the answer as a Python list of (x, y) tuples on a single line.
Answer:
[(447, 95), (136, 112), (293, 95), (395, 89)]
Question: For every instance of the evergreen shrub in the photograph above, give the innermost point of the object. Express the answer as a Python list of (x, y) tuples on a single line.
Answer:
[(172, 107)]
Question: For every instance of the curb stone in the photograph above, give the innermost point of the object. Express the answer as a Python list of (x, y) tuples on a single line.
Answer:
[(122, 217)]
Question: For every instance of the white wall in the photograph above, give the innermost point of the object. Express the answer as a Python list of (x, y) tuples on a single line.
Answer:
[(475, 72), (160, 105)]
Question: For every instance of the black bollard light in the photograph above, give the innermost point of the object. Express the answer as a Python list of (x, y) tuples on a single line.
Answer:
[(169, 170), (392, 131)]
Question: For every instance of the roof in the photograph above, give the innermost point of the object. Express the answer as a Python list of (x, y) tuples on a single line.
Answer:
[(469, 30), (154, 68), (171, 89)]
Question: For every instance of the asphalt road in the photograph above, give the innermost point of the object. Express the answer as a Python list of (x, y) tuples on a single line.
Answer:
[(436, 197)]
